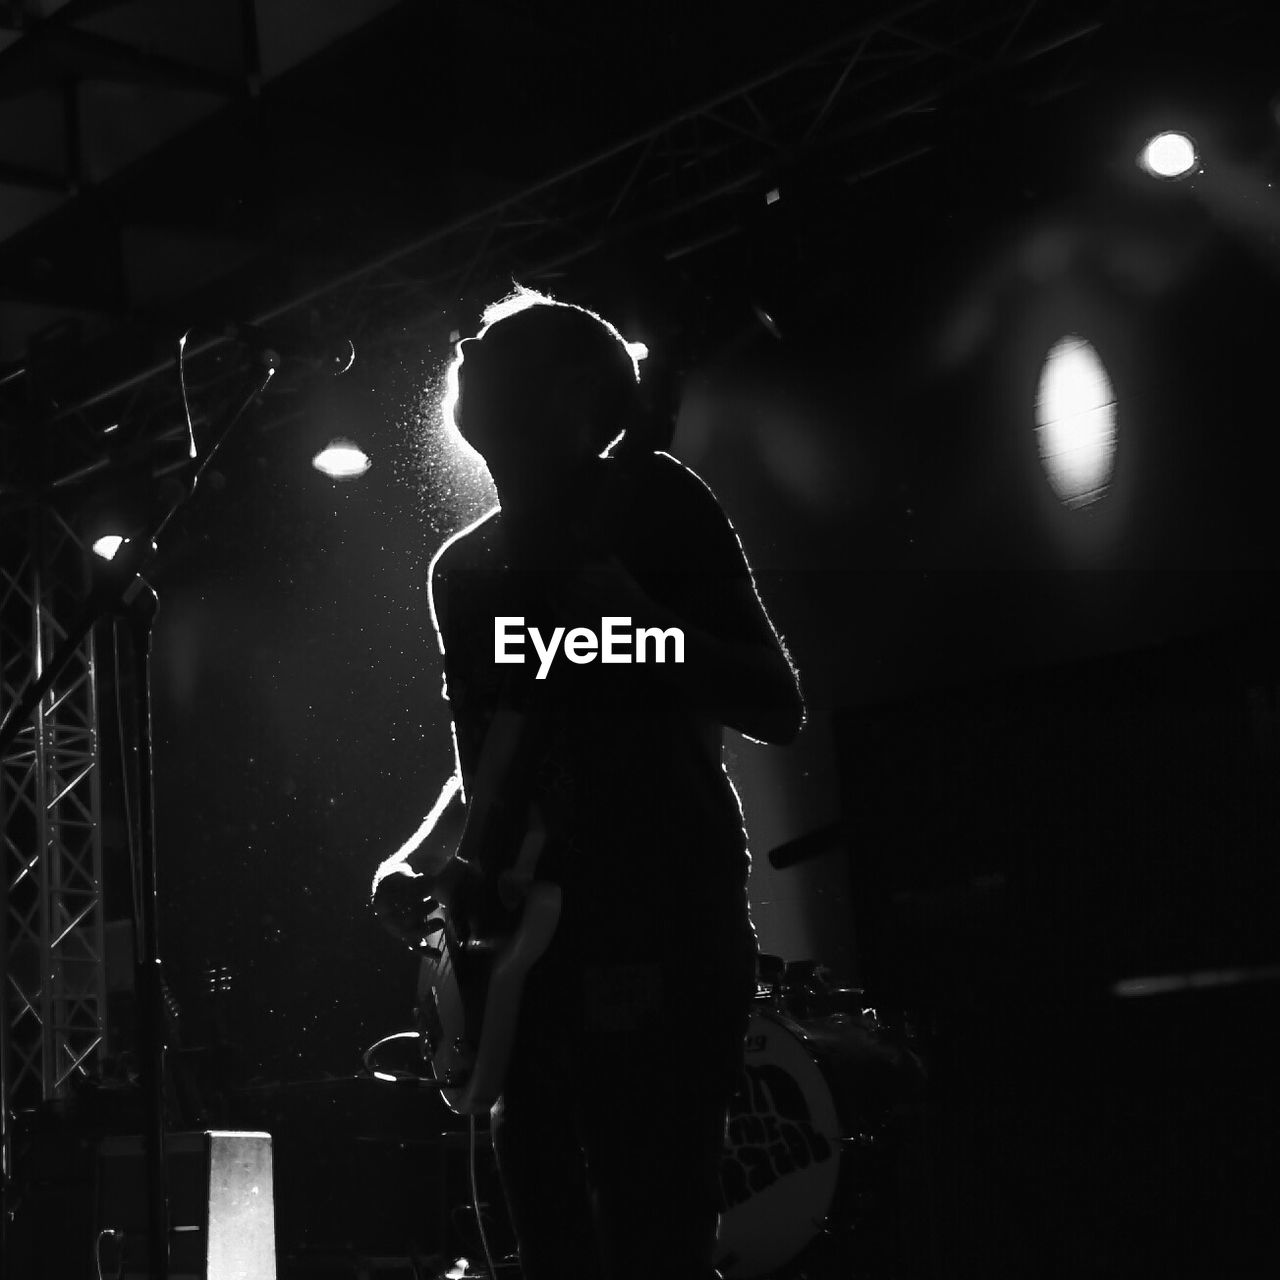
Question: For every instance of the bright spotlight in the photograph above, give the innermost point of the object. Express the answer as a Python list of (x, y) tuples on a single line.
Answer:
[(1076, 422), (1169, 155), (341, 460), (108, 545)]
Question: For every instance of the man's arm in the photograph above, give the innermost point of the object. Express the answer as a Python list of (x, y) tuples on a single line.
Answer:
[(416, 856), (422, 868), (440, 860), (425, 866), (736, 667)]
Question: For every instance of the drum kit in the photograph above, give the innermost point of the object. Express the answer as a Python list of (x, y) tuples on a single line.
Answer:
[(808, 1159)]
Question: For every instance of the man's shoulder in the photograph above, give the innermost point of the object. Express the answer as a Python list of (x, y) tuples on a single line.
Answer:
[(686, 500), (663, 465), (665, 474)]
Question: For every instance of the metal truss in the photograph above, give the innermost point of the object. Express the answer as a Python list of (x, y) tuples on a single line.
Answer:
[(857, 106), (51, 895), (847, 108)]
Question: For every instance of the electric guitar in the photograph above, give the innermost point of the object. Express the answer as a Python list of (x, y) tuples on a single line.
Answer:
[(472, 976)]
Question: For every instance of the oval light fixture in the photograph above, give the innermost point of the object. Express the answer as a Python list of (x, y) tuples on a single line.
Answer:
[(341, 460), (1169, 155), (1076, 421)]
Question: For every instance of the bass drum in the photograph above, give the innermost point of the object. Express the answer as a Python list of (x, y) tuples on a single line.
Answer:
[(781, 1167)]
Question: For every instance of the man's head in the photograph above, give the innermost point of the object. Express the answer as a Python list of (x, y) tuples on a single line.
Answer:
[(543, 382)]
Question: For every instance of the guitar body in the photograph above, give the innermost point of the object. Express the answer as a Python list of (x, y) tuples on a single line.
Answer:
[(469, 999)]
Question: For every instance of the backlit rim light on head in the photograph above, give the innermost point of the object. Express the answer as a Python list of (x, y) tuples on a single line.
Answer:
[(341, 460), (1169, 155), (1076, 421), (520, 299)]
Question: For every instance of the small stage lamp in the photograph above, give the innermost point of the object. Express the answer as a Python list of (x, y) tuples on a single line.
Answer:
[(1169, 156), (341, 460), (107, 545)]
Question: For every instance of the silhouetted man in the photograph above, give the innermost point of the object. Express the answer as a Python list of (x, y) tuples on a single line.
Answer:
[(630, 1034)]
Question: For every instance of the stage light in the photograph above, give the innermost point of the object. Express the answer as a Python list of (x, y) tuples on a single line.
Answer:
[(341, 460), (108, 545), (773, 196), (767, 319), (1169, 155), (112, 516), (1076, 422)]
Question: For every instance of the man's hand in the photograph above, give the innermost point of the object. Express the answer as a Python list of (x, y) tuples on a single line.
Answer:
[(402, 904), (404, 899)]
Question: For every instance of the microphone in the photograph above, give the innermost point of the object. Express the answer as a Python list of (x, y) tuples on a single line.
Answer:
[(276, 350)]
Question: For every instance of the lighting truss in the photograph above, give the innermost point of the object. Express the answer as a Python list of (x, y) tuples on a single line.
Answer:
[(53, 1008), (853, 99), (854, 106)]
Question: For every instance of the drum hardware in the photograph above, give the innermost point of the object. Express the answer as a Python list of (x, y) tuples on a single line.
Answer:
[(808, 1133), (781, 1170), (771, 979), (807, 991)]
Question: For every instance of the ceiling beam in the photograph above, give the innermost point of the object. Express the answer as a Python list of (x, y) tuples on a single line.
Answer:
[(55, 297), (591, 191), (136, 65), (27, 26), (24, 175)]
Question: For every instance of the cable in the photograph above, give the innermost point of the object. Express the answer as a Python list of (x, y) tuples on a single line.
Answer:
[(127, 779), (201, 463), (117, 1236), (475, 1199), (397, 1077), (186, 401)]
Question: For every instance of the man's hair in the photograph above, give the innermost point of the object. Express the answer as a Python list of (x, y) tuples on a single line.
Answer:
[(571, 337)]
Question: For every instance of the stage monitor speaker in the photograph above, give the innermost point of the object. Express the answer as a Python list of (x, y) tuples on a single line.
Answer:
[(221, 1206)]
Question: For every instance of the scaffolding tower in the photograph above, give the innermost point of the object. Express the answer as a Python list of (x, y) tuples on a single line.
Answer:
[(53, 1007)]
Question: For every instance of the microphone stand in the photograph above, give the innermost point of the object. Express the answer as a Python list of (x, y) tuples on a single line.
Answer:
[(122, 589)]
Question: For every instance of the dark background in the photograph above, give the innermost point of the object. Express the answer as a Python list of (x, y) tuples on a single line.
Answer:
[(879, 460), (880, 464)]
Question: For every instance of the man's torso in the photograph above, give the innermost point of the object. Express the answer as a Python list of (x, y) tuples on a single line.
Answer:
[(640, 816)]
